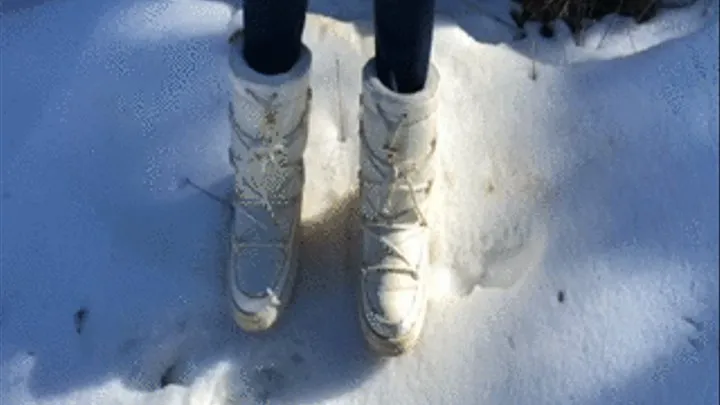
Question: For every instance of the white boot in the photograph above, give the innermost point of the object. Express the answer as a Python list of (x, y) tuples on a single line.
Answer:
[(398, 136), (269, 116)]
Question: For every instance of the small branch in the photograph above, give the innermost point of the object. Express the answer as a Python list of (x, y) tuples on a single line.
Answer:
[(632, 41), (533, 68), (612, 23), (607, 31), (342, 136), (207, 193), (581, 36), (80, 318), (646, 10)]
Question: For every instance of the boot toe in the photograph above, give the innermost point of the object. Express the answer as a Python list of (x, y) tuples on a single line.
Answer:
[(259, 284), (255, 270), (255, 314), (393, 316)]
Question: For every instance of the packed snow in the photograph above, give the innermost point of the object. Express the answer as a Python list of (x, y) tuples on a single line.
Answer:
[(576, 257)]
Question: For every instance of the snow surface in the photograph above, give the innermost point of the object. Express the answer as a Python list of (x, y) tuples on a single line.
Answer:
[(589, 195)]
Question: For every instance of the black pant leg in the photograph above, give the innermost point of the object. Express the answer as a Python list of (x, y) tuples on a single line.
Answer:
[(403, 41), (272, 34)]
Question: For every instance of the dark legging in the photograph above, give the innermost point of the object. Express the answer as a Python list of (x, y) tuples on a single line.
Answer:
[(403, 37)]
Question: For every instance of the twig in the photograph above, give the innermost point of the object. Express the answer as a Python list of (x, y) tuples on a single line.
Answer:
[(578, 38), (647, 8), (607, 31), (342, 136), (632, 41), (80, 318), (533, 68), (221, 200), (610, 25)]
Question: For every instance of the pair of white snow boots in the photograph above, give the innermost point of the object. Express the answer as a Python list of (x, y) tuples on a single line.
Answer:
[(269, 116)]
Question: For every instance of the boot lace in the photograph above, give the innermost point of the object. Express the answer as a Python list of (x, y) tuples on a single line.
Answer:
[(381, 218), (264, 164)]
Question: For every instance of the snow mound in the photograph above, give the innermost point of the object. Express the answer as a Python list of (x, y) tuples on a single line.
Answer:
[(583, 201)]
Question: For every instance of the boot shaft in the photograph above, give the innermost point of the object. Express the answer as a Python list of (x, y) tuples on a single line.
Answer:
[(398, 143), (269, 118)]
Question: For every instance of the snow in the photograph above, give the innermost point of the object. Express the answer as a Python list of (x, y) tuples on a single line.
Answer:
[(580, 214)]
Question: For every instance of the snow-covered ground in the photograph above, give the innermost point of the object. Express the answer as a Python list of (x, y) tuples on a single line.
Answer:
[(589, 195)]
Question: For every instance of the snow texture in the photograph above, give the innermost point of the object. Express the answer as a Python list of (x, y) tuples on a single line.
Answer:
[(577, 241)]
